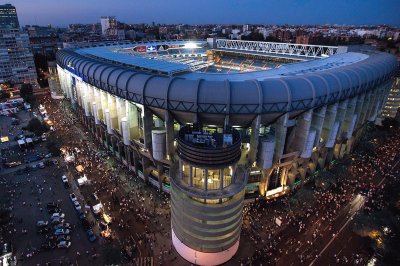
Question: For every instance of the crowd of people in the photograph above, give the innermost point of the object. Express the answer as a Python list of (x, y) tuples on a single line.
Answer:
[(272, 238), (140, 214)]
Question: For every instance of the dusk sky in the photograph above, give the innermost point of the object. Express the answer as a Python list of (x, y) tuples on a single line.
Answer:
[(64, 12)]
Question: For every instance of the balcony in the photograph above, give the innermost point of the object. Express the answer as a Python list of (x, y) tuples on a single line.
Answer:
[(208, 150)]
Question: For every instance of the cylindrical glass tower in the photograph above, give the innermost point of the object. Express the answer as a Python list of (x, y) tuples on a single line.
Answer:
[(207, 195)]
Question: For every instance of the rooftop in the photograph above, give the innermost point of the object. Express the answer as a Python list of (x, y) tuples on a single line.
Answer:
[(144, 56)]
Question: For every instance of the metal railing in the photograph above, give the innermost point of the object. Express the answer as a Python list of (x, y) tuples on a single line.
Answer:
[(288, 49)]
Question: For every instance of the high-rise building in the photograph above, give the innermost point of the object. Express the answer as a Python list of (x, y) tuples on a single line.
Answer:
[(16, 59), (108, 26), (8, 17)]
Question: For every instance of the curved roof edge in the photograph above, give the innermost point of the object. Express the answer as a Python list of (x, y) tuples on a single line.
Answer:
[(206, 94)]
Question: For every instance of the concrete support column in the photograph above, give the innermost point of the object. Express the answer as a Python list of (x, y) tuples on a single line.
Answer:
[(108, 121), (280, 136), (95, 113), (90, 97), (121, 112), (376, 104), (329, 121), (112, 107), (78, 93), (347, 125), (371, 106), (359, 106), (381, 99), (125, 131), (255, 134), (104, 104), (170, 135), (302, 130), (86, 105), (341, 112), (147, 127), (365, 108), (317, 123)]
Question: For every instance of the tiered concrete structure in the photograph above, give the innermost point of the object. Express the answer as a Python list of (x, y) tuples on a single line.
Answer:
[(210, 138)]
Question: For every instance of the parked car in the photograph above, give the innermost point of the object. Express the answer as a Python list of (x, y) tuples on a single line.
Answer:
[(63, 225), (72, 197), (91, 235), (77, 206), (42, 223), (63, 238), (57, 221), (64, 244), (81, 214), (57, 215), (61, 232), (64, 178), (41, 165), (96, 198), (33, 158)]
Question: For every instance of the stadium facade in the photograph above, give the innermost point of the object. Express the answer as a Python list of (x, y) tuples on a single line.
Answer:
[(213, 139)]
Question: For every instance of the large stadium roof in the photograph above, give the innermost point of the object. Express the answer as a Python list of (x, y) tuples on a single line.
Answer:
[(290, 88)]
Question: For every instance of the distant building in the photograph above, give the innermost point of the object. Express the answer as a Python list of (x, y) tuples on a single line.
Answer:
[(108, 26), (120, 34), (16, 59), (8, 17), (302, 39)]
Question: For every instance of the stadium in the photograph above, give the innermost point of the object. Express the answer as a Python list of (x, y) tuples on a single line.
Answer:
[(217, 122)]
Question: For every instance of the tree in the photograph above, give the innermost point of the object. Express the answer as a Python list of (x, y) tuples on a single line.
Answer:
[(37, 127), (4, 95), (53, 147), (26, 92)]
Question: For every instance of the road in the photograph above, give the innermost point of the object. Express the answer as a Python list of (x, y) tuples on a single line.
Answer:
[(346, 242)]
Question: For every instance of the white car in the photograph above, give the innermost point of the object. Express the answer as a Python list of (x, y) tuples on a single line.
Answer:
[(41, 223), (77, 205), (61, 232), (72, 197), (64, 244), (64, 179), (57, 215)]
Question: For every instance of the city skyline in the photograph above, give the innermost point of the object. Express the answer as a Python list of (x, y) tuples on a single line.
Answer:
[(304, 12)]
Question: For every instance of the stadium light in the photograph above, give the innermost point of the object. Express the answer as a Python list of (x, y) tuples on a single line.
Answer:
[(190, 45)]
